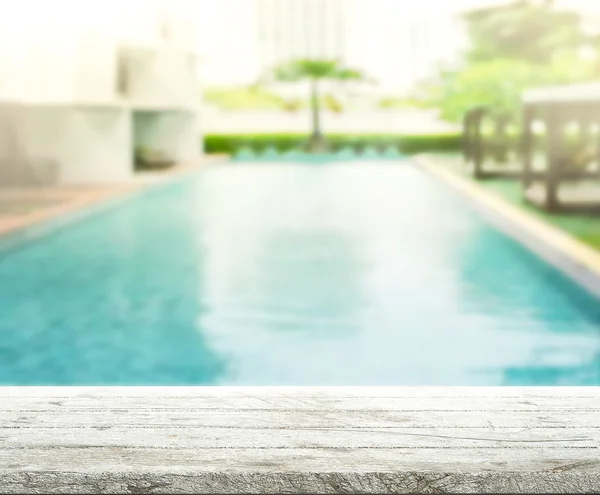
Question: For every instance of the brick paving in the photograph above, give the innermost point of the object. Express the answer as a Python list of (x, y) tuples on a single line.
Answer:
[(23, 207)]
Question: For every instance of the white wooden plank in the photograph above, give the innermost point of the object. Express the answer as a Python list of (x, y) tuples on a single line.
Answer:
[(276, 483), (288, 402), (442, 460), (298, 471), (309, 440), (305, 482), (341, 437), (295, 419)]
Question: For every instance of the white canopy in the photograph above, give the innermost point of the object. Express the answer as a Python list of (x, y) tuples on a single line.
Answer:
[(569, 93)]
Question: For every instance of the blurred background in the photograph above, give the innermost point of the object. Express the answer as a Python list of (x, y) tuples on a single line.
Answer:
[(306, 229), (430, 60), (206, 70)]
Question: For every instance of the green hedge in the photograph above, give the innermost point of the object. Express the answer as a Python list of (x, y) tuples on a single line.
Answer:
[(408, 144)]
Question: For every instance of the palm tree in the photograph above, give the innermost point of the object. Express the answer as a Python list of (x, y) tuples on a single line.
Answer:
[(314, 71)]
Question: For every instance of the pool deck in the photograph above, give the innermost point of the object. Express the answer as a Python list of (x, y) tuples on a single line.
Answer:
[(556, 246), (24, 207), (583, 196), (300, 440)]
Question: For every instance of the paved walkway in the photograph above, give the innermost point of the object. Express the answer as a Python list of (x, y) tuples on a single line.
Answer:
[(23, 207), (578, 192)]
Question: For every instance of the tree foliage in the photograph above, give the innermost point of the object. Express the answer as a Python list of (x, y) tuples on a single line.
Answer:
[(314, 71), (495, 84), (499, 84), (523, 30), (514, 47)]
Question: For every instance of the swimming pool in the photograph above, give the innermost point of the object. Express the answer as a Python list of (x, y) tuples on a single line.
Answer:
[(258, 274)]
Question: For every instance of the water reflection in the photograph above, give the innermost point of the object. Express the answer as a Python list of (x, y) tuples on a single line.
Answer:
[(284, 275), (295, 281), (112, 301), (382, 268), (585, 373), (549, 325), (294, 275)]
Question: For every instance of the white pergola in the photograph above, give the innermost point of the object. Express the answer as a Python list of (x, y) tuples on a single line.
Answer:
[(565, 93), (557, 107)]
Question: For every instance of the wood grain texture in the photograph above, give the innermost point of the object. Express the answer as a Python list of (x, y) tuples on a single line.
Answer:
[(299, 440)]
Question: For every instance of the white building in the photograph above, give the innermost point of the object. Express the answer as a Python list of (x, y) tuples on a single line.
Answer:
[(400, 49), (395, 42), (83, 83), (289, 29)]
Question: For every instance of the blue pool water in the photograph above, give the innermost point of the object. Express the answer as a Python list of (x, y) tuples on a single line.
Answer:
[(342, 274)]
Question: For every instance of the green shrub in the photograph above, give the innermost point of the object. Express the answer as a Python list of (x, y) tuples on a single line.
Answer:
[(409, 144)]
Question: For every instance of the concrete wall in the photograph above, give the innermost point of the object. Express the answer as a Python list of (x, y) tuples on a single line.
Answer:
[(96, 60), (11, 150), (97, 147), (162, 78), (66, 51), (48, 146), (63, 118)]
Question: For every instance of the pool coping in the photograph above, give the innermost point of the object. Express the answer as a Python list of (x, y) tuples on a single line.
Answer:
[(48, 220), (563, 251)]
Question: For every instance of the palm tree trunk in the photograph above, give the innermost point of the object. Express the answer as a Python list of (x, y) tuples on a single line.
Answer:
[(316, 142), (315, 108)]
